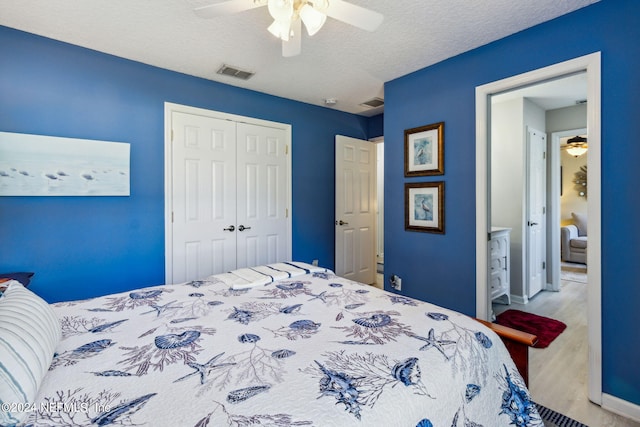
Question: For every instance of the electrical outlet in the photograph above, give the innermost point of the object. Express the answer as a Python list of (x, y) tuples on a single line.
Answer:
[(396, 282), (314, 262)]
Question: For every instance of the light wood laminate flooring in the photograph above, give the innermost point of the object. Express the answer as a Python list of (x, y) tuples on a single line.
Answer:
[(558, 373)]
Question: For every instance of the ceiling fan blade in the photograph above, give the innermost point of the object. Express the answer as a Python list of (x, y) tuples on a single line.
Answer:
[(228, 7), (357, 16), (293, 47)]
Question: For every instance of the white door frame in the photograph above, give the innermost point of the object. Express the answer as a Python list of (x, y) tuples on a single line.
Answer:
[(358, 217), (379, 141), (169, 108), (554, 209), (591, 64), (529, 242)]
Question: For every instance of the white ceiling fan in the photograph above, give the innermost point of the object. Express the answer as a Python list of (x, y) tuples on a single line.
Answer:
[(289, 15)]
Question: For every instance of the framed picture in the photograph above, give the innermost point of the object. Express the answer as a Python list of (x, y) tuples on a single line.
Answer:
[(424, 207), (39, 165), (424, 150)]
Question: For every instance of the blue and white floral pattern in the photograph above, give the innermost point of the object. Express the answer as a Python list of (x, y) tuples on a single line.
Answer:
[(310, 350)]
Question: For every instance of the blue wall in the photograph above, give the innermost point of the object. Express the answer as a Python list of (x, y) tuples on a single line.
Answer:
[(376, 126), (441, 268), (85, 246)]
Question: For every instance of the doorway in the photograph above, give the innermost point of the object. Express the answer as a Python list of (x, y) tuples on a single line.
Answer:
[(359, 209), (591, 65)]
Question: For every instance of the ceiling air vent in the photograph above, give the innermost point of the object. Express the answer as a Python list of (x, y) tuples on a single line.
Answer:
[(373, 103), (228, 70)]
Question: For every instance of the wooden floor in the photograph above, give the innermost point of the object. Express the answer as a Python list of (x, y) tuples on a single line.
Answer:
[(558, 373)]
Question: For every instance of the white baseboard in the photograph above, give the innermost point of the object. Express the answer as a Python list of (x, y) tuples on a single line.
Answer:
[(621, 407), (519, 299)]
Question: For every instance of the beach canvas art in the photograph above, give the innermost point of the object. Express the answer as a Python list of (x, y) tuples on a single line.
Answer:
[(36, 165)]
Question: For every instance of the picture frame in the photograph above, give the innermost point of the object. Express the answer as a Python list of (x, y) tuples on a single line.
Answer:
[(424, 150), (41, 165), (424, 207)]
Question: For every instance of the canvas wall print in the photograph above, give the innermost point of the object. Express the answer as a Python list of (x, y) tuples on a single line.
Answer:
[(424, 207), (424, 150), (36, 165)]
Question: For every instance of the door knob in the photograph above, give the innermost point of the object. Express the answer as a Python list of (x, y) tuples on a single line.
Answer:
[(531, 224), (230, 228), (341, 222), (242, 228)]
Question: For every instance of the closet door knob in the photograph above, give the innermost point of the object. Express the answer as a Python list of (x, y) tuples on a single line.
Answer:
[(230, 228), (242, 228)]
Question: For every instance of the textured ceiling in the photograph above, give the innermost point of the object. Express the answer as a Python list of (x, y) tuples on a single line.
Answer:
[(341, 61)]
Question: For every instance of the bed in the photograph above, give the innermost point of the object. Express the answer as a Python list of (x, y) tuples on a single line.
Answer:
[(287, 344)]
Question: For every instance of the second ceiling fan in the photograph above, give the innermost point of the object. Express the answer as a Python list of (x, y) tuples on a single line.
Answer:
[(289, 15)]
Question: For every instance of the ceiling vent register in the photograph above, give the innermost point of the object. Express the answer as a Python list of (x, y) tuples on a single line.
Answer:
[(373, 103), (227, 70)]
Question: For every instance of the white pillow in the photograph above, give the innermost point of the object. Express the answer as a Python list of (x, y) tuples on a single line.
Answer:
[(580, 221), (29, 334)]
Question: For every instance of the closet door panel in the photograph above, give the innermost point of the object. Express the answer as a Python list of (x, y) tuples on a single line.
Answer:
[(203, 196), (262, 195)]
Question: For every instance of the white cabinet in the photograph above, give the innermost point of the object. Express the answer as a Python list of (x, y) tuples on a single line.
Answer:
[(499, 263)]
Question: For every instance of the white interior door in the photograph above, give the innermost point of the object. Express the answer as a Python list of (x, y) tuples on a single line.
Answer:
[(204, 196), (536, 211), (262, 195), (355, 209)]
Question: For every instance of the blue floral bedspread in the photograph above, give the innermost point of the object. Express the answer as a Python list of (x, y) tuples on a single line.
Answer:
[(308, 350)]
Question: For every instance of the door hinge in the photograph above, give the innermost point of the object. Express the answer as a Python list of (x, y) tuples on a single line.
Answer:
[(171, 216), (171, 135), (544, 210), (286, 149), (544, 265), (286, 212), (544, 155)]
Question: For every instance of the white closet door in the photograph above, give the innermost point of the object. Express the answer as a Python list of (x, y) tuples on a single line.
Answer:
[(204, 196), (262, 235)]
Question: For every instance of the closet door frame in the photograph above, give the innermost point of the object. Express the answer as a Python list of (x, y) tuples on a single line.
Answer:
[(170, 108)]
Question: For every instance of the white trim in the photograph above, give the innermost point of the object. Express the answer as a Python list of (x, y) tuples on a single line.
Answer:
[(170, 108), (553, 214), (554, 210), (519, 299), (379, 200), (591, 64), (621, 407)]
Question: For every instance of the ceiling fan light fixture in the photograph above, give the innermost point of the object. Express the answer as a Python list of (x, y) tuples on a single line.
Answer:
[(312, 19), (280, 29), (576, 151), (280, 10), (282, 13), (577, 146)]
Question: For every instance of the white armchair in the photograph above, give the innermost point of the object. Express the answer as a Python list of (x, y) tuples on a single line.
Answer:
[(574, 240)]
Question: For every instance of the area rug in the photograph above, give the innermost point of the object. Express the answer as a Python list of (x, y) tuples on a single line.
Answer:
[(551, 418), (545, 328), (573, 276), (573, 272)]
